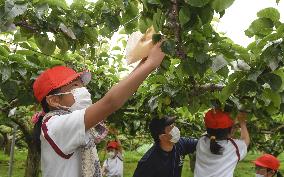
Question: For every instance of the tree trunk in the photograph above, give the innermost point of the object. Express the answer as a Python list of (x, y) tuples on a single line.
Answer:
[(7, 144), (32, 162), (1, 140)]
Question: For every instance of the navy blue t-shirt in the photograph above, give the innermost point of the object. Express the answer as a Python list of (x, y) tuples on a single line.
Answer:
[(158, 163)]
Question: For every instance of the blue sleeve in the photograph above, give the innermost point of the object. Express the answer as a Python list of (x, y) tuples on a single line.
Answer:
[(144, 169), (188, 145), (146, 165)]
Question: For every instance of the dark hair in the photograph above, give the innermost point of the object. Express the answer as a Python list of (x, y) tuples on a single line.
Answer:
[(37, 126), (279, 174), (157, 126), (156, 136), (217, 134)]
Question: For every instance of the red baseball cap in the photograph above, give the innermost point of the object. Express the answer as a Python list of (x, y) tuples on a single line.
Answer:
[(112, 144), (267, 161), (216, 118), (56, 77)]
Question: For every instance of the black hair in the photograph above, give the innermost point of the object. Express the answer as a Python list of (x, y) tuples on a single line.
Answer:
[(155, 136), (157, 126), (37, 126), (217, 134), (277, 173)]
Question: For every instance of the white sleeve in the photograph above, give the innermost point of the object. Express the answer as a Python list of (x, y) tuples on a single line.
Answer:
[(105, 164), (242, 148), (67, 131)]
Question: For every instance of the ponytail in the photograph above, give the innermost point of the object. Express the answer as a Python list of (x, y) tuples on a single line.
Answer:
[(37, 132), (217, 134), (37, 120), (215, 148), (278, 174)]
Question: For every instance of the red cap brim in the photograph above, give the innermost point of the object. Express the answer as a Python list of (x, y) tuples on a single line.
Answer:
[(260, 164)]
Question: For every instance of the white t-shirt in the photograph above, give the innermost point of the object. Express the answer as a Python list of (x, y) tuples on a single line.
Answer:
[(114, 166), (68, 133), (211, 165)]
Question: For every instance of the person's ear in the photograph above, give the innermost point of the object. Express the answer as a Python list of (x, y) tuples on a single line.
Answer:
[(162, 137), (53, 101)]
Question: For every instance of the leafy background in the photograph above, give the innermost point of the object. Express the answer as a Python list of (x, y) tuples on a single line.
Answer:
[(202, 69)]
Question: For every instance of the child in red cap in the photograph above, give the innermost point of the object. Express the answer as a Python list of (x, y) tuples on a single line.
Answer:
[(67, 136), (113, 165), (217, 154), (267, 166)]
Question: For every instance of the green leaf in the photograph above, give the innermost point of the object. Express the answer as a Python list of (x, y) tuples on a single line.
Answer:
[(144, 24), (131, 10), (280, 72), (223, 72), (25, 98), (158, 79), (221, 5), (91, 34), (168, 47), (56, 3), (184, 15), (202, 58), (18, 9), (154, 1), (273, 80), (3, 51), (197, 3), (62, 44), (261, 26), (17, 58), (6, 73), (188, 66), (10, 90), (116, 48), (67, 31), (41, 10), (206, 14), (18, 37), (158, 20), (274, 97), (44, 44), (281, 108), (55, 62), (246, 87), (280, 29), (270, 13), (153, 103), (230, 88), (22, 71), (25, 52)]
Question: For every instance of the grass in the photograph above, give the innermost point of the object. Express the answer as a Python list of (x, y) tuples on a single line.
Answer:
[(19, 163), (244, 169)]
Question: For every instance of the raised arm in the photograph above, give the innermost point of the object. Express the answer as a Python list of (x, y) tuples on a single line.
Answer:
[(244, 131), (119, 93)]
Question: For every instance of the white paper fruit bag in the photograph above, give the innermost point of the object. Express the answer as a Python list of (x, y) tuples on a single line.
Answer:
[(139, 45)]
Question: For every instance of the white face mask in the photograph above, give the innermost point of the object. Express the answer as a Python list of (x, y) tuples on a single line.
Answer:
[(175, 134), (82, 99), (258, 175), (111, 154)]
